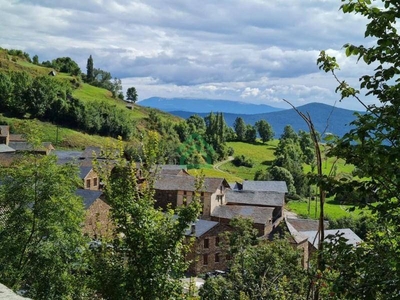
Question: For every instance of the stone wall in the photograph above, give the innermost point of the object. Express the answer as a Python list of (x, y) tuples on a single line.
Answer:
[(97, 221)]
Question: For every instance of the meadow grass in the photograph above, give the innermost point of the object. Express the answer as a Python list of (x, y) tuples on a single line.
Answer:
[(209, 171), (332, 209)]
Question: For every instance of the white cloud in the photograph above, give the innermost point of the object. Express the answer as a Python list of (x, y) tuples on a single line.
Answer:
[(236, 49)]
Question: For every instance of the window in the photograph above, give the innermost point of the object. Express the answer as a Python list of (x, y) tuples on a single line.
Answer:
[(184, 193), (95, 181), (205, 259), (216, 257), (88, 183), (206, 243), (217, 241)]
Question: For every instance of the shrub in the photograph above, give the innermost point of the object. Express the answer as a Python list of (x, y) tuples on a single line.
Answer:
[(241, 160)]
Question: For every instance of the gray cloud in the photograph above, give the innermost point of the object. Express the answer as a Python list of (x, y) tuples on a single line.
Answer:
[(259, 51)]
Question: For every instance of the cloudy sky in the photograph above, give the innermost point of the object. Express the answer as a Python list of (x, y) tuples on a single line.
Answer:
[(258, 51)]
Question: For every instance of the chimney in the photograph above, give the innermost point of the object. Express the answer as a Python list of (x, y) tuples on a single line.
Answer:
[(193, 229)]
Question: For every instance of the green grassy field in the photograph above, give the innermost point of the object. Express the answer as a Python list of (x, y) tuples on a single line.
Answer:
[(333, 210), (208, 171), (261, 154)]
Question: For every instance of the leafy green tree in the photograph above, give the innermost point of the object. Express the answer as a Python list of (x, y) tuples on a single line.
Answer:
[(146, 260), (116, 88), (196, 125), (306, 146), (372, 146), (215, 133), (35, 60), (66, 65), (259, 269), (264, 130), (6, 91), (251, 134), (18, 103), (42, 246), (289, 156), (289, 133), (90, 70), (131, 94), (240, 128)]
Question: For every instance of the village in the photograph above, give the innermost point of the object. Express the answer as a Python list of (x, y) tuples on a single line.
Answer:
[(263, 202)]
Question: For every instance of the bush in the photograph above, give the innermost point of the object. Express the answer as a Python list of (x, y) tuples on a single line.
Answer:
[(241, 160)]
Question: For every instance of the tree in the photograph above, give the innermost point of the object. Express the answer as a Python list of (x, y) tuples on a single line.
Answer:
[(279, 174), (116, 89), (131, 94), (146, 260), (89, 70), (42, 246), (35, 60), (240, 128), (265, 130), (251, 134), (66, 65), (372, 146), (259, 269)]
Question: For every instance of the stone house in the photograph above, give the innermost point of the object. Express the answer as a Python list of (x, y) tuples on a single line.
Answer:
[(97, 210), (178, 190), (4, 134), (207, 252), (90, 179), (260, 216)]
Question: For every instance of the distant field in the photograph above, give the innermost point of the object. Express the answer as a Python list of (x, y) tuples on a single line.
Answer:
[(208, 171), (332, 209), (261, 154)]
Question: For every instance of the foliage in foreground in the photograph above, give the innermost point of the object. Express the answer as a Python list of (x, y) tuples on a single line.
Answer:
[(145, 258), (42, 248)]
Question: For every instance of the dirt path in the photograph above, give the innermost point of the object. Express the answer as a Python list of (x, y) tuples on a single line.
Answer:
[(219, 164)]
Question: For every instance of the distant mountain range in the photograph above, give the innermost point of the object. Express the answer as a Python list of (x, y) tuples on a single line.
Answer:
[(326, 118), (206, 105)]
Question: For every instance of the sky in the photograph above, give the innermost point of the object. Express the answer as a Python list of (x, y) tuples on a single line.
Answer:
[(256, 51)]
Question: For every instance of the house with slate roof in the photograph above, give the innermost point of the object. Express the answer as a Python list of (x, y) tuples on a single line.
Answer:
[(260, 201), (89, 178), (178, 190), (97, 220), (207, 252)]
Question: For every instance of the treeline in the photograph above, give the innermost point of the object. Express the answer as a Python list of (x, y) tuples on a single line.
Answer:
[(48, 99)]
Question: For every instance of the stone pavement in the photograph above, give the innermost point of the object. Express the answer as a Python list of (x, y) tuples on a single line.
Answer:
[(7, 294)]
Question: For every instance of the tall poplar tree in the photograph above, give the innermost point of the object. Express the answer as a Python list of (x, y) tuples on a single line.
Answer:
[(90, 70)]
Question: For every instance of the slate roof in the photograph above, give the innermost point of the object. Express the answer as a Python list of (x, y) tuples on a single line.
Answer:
[(306, 224), (201, 227), (88, 153), (352, 238), (265, 186), (64, 157), (6, 149), (255, 198), (88, 196), (187, 183), (297, 236), (259, 215), (25, 146), (84, 171)]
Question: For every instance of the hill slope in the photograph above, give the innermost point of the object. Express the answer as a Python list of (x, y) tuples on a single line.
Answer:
[(325, 118), (206, 105)]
